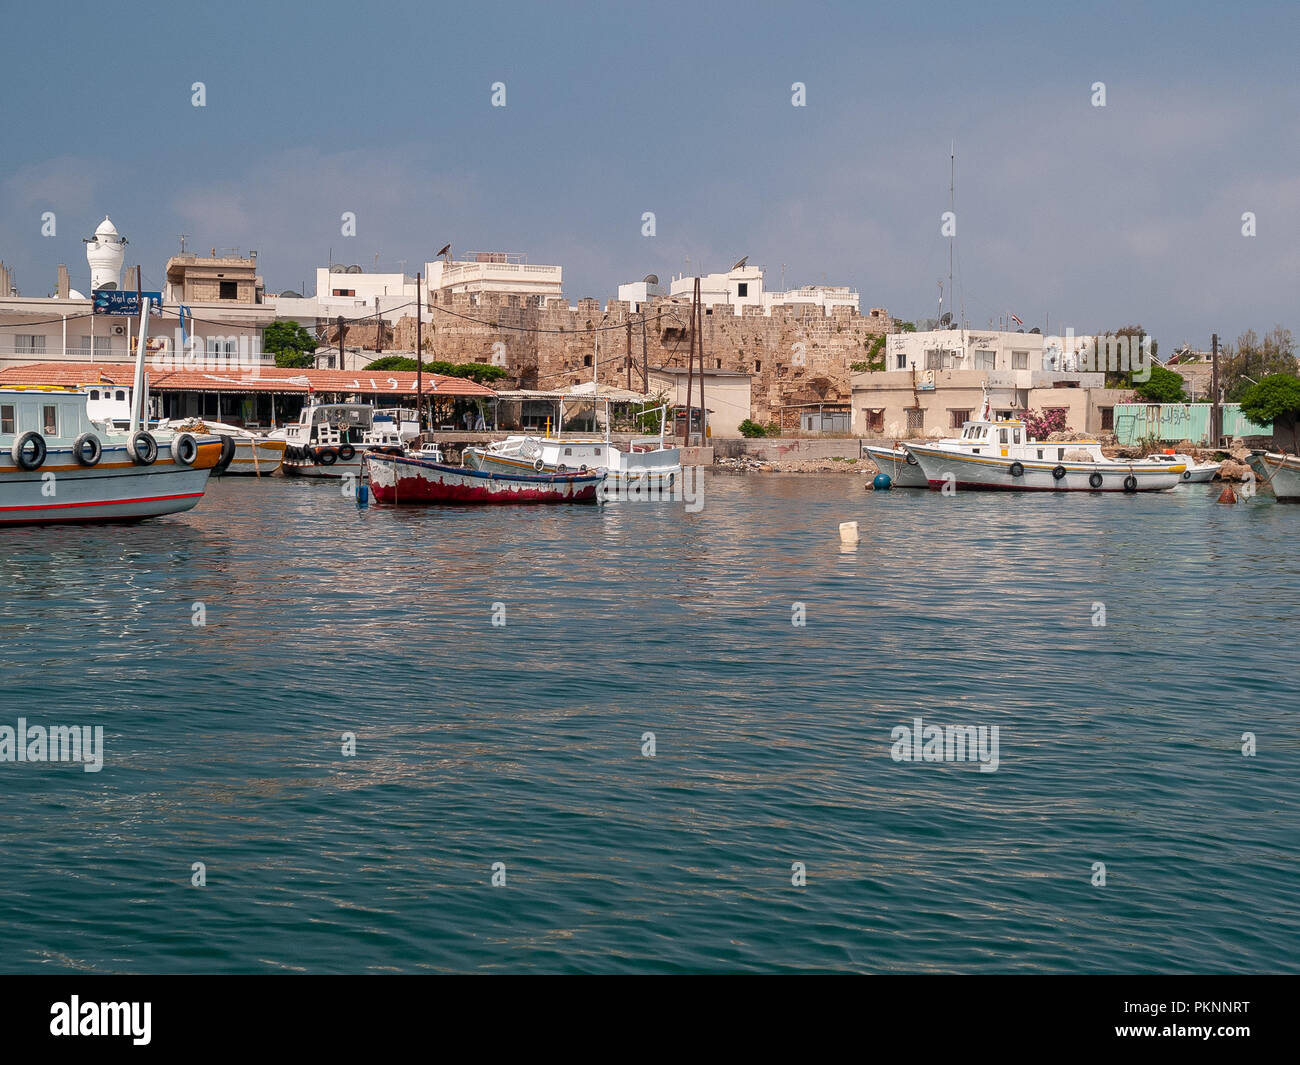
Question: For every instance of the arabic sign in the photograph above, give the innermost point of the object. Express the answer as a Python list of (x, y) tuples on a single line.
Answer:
[(116, 301)]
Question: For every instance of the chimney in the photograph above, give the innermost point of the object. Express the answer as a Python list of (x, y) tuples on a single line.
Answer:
[(63, 286)]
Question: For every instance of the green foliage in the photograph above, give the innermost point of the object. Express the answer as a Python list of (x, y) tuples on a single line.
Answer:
[(1253, 357), (1275, 401), (751, 429), (291, 344), (906, 327), (1165, 386), (482, 372), (1124, 378)]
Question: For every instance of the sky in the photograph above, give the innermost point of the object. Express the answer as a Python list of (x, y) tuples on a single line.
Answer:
[(1067, 214)]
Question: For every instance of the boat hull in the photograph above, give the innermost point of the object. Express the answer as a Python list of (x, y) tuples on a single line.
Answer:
[(409, 479), (893, 463), (646, 468), (992, 473), (115, 490), (1280, 474), (255, 458)]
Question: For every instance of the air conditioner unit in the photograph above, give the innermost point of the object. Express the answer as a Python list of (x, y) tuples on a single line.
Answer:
[(119, 330)]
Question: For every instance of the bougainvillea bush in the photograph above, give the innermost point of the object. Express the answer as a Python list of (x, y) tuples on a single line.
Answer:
[(1043, 423)]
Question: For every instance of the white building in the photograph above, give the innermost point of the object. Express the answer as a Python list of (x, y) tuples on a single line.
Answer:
[(984, 349), (742, 287), (642, 291), (352, 293), (495, 271)]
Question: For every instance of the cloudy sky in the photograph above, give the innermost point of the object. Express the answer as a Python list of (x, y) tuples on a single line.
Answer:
[(1068, 214)]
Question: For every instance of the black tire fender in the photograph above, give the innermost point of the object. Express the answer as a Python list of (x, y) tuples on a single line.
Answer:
[(327, 456), (1058, 473), (347, 452), (1130, 483), (1095, 479), (143, 448), (36, 459), (227, 455), (185, 449), (1017, 469), (79, 449)]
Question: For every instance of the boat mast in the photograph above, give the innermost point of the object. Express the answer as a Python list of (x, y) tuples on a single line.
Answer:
[(137, 389)]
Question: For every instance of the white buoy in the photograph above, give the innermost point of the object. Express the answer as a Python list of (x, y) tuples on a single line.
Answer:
[(848, 532)]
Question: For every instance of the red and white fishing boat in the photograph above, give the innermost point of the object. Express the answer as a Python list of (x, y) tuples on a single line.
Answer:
[(420, 479)]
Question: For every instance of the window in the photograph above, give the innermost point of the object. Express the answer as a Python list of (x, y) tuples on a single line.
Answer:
[(50, 420), (345, 292), (717, 364), (758, 365), (901, 362), (7, 418), (121, 395), (1108, 418), (1002, 436), (1015, 436), (986, 360), (94, 393), (915, 418), (1020, 360), (875, 421), (742, 288), (934, 359), (27, 344), (568, 451), (586, 360), (959, 418), (229, 290), (1004, 416)]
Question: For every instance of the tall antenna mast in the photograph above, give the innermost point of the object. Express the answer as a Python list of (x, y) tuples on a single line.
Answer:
[(952, 206)]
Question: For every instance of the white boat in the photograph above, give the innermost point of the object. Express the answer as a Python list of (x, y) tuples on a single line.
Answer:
[(420, 479), (1195, 472), (255, 455), (903, 470), (1280, 474), (647, 462), (1000, 455), (57, 464), (329, 438)]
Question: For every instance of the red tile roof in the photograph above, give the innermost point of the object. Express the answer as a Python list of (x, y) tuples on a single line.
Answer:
[(257, 379)]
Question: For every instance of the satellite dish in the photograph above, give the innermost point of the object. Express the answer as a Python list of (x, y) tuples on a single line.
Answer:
[(353, 269), (338, 268), (741, 265), (650, 279), (289, 293), (1036, 330), (445, 250)]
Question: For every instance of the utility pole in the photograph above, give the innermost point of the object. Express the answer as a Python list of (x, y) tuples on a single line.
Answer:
[(690, 361), (645, 361), (419, 357), (340, 320), (704, 411), (629, 351), (379, 329), (1216, 412)]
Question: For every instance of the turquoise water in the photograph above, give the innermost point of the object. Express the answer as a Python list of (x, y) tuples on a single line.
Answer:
[(522, 743)]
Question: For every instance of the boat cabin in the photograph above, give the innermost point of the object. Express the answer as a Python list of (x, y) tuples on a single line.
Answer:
[(1010, 439), (331, 423), (58, 414)]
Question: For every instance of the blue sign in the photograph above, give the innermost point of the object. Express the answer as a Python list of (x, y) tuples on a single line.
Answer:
[(117, 301)]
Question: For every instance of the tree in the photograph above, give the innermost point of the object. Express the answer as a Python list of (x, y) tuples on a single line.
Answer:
[(1041, 426), (1276, 401), (293, 346), (1135, 333), (1252, 357), (750, 429), (482, 372), (1164, 386)]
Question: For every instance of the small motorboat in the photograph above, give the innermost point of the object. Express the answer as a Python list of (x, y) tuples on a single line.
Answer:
[(418, 478), (1195, 472), (902, 469), (255, 455)]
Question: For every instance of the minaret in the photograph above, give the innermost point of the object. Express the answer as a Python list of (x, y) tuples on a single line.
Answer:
[(105, 251)]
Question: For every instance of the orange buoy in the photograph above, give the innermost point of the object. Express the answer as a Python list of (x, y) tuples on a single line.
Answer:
[(1227, 495)]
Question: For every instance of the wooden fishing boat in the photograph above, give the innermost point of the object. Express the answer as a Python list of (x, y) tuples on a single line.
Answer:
[(1279, 474), (414, 479)]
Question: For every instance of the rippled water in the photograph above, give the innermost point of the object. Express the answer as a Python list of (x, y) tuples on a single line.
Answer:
[(522, 744)]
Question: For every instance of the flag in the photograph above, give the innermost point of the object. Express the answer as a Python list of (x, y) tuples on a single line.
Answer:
[(1016, 320)]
